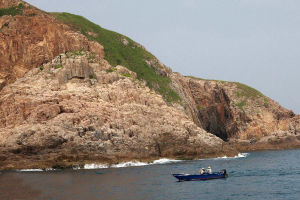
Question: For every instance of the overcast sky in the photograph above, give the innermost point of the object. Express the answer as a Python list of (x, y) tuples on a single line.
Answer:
[(256, 42)]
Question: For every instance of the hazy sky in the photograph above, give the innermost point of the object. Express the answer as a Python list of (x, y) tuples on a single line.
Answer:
[(256, 42)]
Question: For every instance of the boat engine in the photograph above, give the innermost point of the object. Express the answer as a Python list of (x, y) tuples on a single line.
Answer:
[(224, 172)]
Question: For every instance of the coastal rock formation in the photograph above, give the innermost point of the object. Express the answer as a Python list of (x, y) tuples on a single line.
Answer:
[(7, 4), (33, 38), (62, 103), (238, 113), (75, 110)]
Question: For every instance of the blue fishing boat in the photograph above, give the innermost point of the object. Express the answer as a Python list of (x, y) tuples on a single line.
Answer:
[(205, 176)]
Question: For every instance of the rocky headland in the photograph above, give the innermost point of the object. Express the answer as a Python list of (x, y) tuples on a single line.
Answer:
[(238, 114), (73, 93)]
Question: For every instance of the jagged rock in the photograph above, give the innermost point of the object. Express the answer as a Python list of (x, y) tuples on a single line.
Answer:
[(62, 103), (31, 40), (125, 41), (7, 4), (75, 68), (235, 111), (124, 71), (117, 119)]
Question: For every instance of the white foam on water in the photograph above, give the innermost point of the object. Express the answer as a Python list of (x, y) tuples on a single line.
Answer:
[(132, 163), (165, 161), (224, 157), (36, 170), (240, 155), (137, 163), (95, 166), (129, 164), (50, 169), (30, 170)]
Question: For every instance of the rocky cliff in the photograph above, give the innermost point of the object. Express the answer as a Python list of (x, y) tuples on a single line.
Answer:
[(30, 37), (77, 109), (238, 113), (62, 103), (72, 92)]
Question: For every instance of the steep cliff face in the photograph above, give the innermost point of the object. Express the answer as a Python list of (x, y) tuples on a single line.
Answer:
[(65, 99), (77, 109), (29, 37), (238, 113), (208, 104), (10, 3)]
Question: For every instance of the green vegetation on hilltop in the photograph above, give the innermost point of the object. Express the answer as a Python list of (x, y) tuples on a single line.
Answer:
[(266, 102), (247, 91), (121, 50), (241, 105), (203, 79), (243, 89), (14, 10)]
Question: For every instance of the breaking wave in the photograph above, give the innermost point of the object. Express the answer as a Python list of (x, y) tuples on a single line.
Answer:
[(165, 161), (94, 166), (130, 164), (30, 170), (36, 170), (240, 155)]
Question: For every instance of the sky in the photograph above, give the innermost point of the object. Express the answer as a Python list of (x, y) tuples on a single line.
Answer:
[(256, 42)]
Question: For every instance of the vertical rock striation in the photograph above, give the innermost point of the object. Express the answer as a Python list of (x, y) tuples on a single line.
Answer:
[(62, 103), (76, 110), (33, 38), (238, 113)]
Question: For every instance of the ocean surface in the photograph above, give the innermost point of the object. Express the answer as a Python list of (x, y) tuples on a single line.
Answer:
[(258, 175)]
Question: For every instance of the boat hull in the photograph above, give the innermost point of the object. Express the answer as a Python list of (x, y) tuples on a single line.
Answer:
[(198, 177)]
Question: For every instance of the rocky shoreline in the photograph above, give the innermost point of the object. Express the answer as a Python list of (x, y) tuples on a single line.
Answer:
[(86, 110), (62, 161), (31, 163), (63, 104)]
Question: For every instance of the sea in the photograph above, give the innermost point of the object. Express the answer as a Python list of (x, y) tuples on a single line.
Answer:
[(267, 175)]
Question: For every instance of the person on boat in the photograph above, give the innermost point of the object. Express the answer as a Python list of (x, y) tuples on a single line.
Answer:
[(209, 170), (202, 171)]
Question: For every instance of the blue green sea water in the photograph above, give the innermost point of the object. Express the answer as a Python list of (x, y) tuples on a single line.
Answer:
[(257, 175)]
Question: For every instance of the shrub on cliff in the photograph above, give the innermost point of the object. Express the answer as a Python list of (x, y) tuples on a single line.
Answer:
[(121, 50), (14, 10)]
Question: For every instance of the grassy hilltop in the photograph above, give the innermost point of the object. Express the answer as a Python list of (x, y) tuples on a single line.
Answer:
[(128, 53)]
